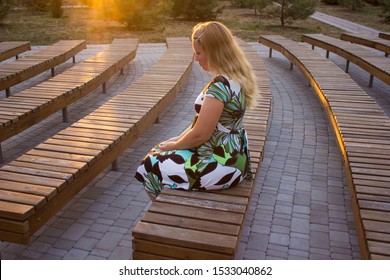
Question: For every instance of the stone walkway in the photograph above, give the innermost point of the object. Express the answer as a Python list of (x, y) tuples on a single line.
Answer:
[(344, 24), (300, 208)]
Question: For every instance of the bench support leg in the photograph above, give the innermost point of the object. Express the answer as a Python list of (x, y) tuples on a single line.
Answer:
[(386, 55), (17, 57), (157, 120), (371, 80), (270, 53), (291, 66), (312, 47), (7, 92), (74, 59), (52, 72), (327, 54), (1, 155), (347, 67), (104, 88), (114, 165), (121, 71), (65, 115)]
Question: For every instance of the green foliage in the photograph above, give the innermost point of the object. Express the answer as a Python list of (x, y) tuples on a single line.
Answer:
[(290, 10), (330, 2), (135, 14), (5, 6), (196, 9), (373, 2), (35, 5), (353, 4), (385, 5), (243, 3), (56, 8)]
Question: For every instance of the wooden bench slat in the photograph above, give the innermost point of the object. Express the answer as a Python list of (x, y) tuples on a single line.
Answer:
[(15, 211), (12, 226), (379, 248), (375, 215), (189, 223), (197, 213), (229, 207), (31, 179), (185, 238), (145, 250), (22, 198), (45, 191)]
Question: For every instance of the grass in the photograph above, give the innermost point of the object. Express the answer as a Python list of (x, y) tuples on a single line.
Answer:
[(87, 24)]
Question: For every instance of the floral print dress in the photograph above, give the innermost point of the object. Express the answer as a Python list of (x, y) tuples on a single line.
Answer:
[(221, 162)]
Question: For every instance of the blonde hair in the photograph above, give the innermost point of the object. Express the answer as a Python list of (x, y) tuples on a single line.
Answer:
[(225, 57)]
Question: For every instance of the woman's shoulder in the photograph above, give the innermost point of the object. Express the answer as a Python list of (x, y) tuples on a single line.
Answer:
[(221, 79)]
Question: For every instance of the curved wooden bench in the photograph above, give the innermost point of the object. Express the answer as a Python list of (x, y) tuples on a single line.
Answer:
[(204, 225), (28, 107), (10, 49), (371, 62), (384, 35), (362, 132), (37, 63), (368, 40), (35, 186)]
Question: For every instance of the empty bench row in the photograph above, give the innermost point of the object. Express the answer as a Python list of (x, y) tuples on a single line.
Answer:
[(38, 62), (362, 131), (28, 107), (36, 185)]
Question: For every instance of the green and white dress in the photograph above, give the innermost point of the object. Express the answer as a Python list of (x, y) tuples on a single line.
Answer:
[(221, 162)]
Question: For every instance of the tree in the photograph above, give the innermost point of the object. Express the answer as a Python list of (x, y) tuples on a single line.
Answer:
[(385, 4), (56, 8), (196, 9), (353, 4), (290, 10), (5, 6), (134, 14), (36, 5)]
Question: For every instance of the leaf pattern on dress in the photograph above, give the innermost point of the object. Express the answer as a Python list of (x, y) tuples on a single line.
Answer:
[(225, 179), (177, 179)]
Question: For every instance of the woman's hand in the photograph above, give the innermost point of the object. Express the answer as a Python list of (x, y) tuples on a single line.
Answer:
[(167, 145)]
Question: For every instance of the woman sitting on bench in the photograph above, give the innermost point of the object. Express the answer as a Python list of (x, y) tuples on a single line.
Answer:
[(212, 153)]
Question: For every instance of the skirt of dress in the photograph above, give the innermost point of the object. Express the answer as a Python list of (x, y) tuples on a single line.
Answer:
[(188, 170)]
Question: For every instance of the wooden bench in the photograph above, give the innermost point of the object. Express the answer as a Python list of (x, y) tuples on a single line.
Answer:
[(368, 40), (10, 49), (26, 108), (35, 186), (205, 225), (384, 35), (362, 131), (38, 62), (369, 61)]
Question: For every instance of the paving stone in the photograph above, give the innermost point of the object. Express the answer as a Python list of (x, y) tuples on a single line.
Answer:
[(121, 253), (86, 243), (279, 238), (76, 254), (109, 241), (75, 231)]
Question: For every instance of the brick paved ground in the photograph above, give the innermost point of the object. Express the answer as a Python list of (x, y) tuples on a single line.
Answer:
[(300, 208)]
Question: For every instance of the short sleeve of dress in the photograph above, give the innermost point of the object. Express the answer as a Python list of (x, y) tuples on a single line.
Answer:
[(219, 89)]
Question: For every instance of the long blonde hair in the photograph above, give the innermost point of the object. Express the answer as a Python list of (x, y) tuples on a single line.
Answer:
[(225, 57)]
